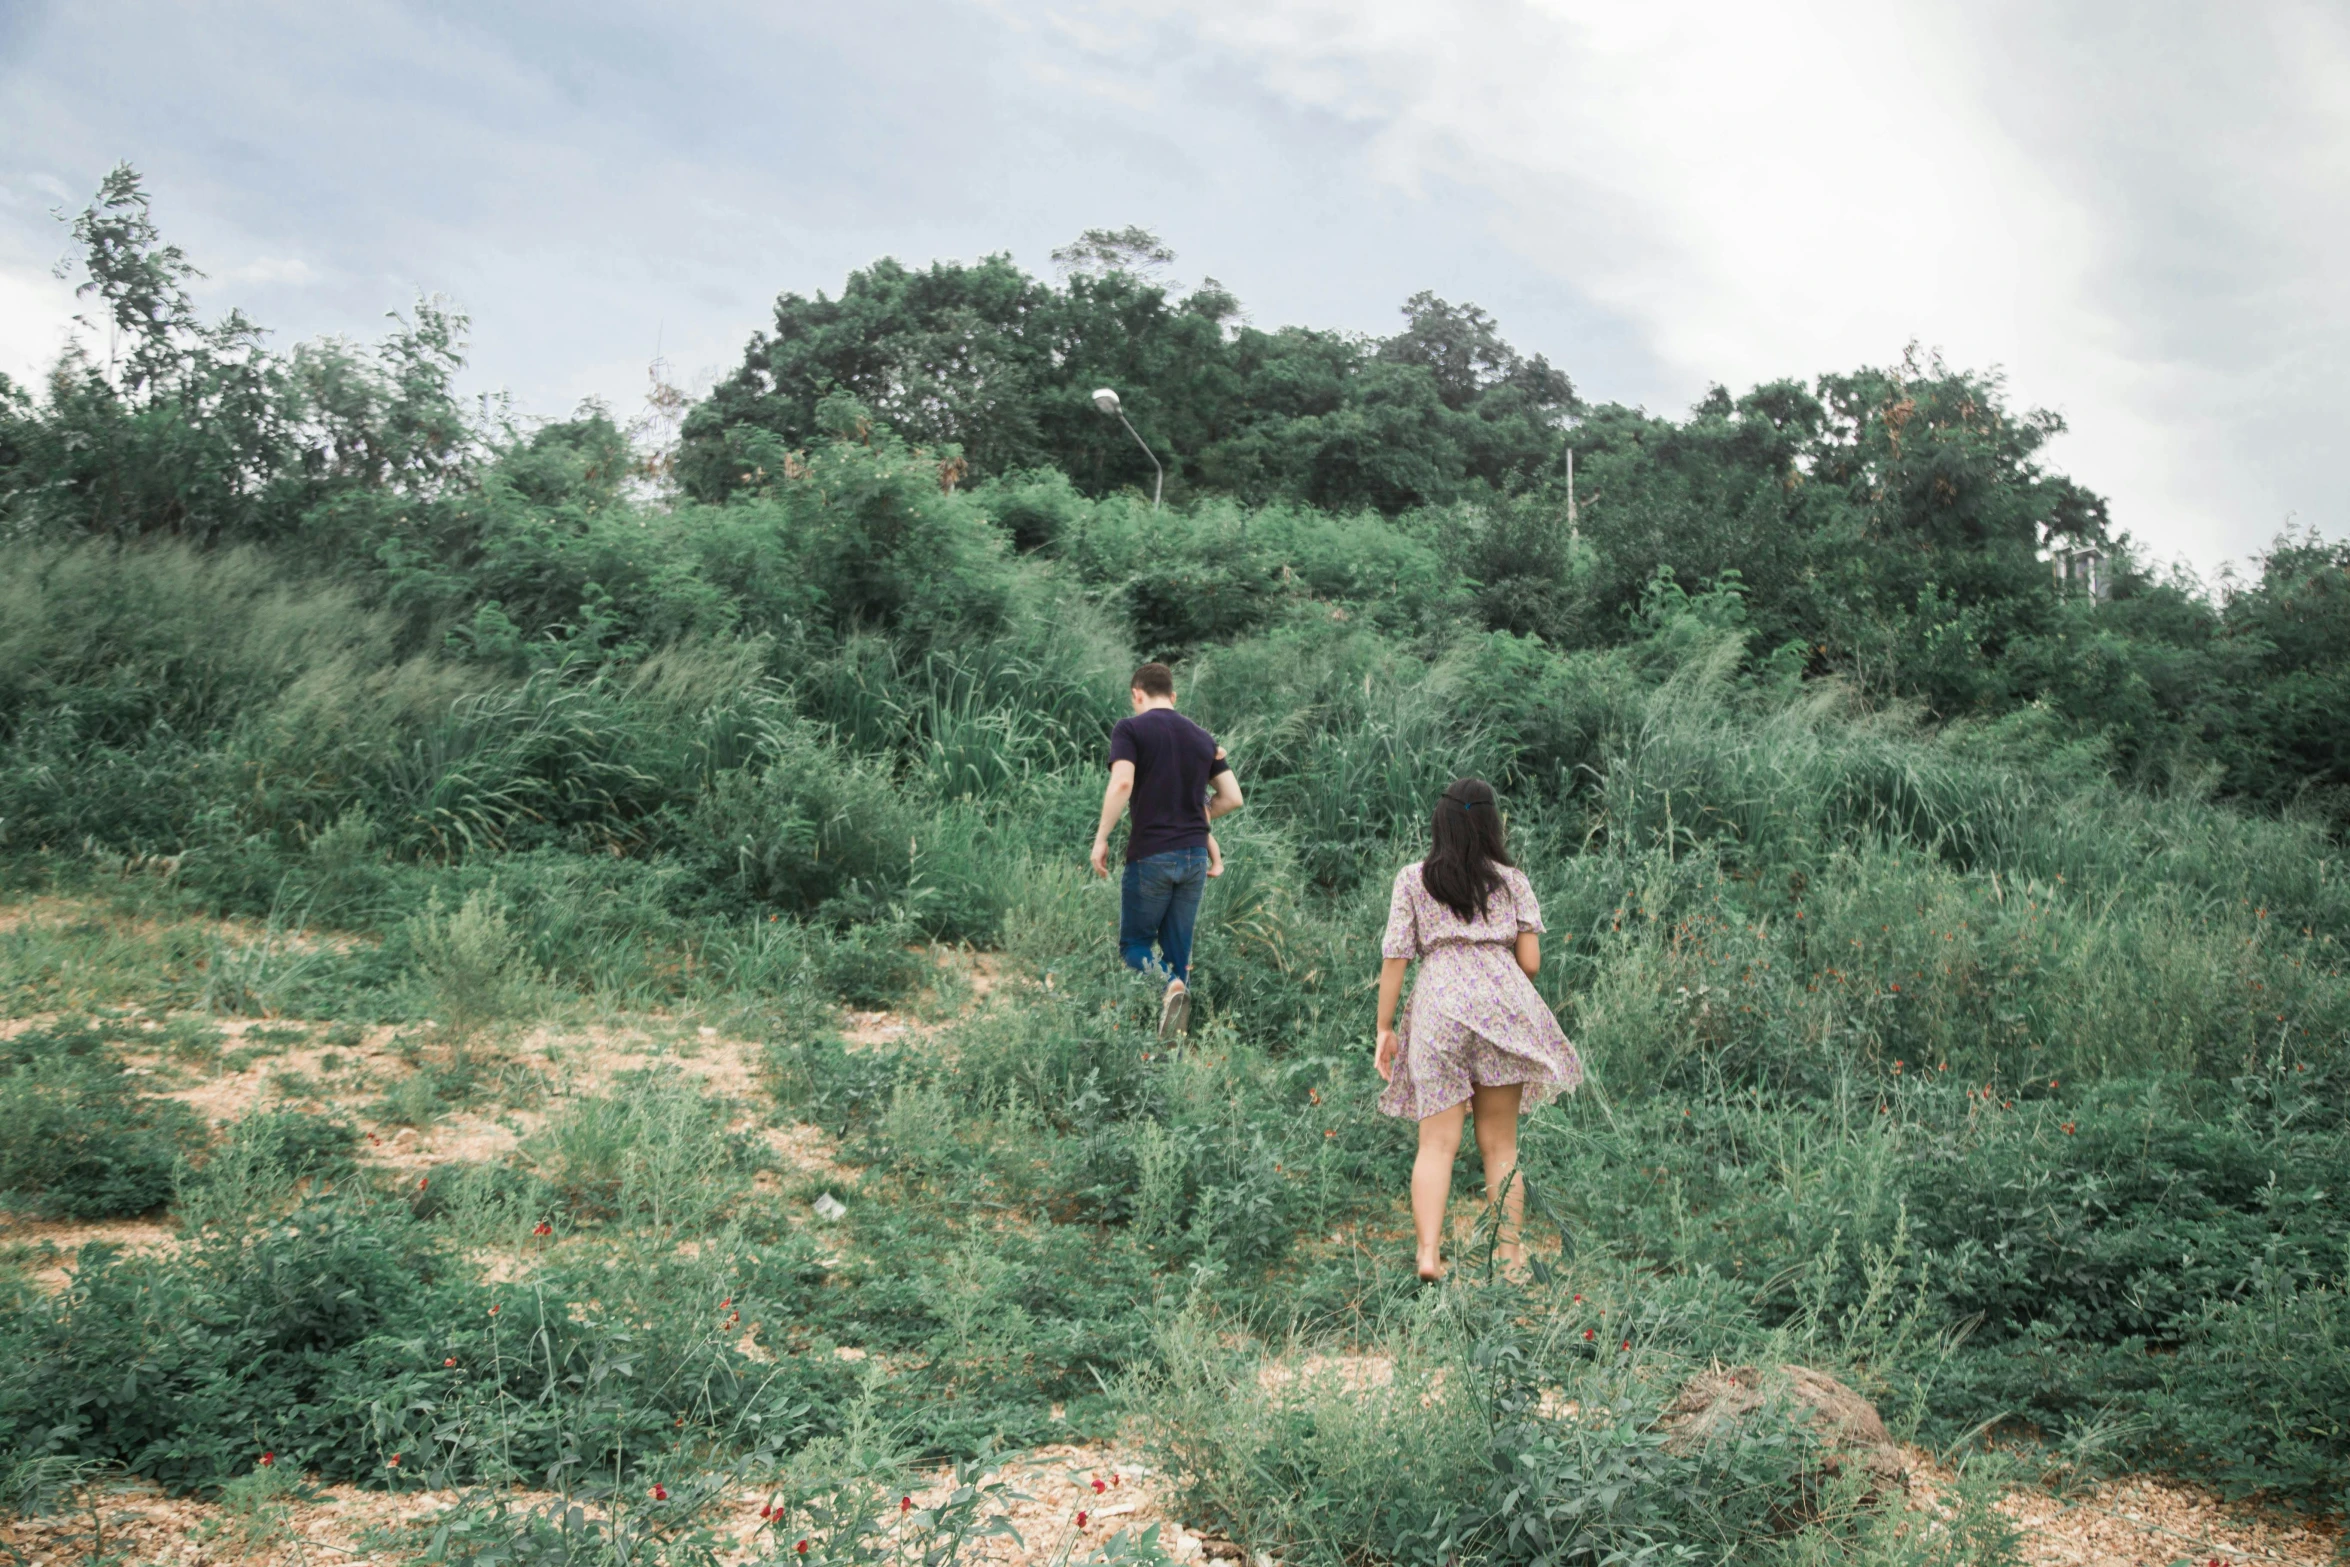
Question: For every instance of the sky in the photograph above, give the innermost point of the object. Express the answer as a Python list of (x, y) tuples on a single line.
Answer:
[(2138, 211)]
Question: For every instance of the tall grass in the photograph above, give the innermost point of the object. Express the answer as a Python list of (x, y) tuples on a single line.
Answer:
[(1925, 1053)]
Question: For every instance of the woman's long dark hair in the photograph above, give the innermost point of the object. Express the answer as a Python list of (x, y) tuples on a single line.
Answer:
[(1463, 869)]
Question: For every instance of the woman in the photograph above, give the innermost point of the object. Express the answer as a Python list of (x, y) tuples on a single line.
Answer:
[(1477, 1037)]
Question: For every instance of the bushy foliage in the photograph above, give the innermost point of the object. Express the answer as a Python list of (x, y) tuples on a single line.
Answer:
[(82, 1142), (1958, 962)]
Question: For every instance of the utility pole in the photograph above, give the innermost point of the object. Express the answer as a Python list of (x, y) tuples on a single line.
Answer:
[(1574, 530)]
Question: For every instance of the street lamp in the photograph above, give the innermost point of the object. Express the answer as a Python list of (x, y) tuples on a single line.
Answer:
[(1107, 401)]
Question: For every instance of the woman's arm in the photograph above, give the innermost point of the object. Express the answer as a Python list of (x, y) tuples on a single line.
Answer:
[(1529, 953), (1390, 992)]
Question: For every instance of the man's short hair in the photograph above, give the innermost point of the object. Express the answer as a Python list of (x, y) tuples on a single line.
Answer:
[(1155, 680)]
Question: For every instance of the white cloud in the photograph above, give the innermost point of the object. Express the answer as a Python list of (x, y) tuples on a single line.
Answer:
[(292, 271), (36, 319), (1774, 190)]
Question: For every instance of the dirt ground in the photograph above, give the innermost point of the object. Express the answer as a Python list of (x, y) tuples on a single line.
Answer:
[(1071, 1499)]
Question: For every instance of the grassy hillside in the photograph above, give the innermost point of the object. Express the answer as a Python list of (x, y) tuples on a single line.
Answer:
[(472, 926)]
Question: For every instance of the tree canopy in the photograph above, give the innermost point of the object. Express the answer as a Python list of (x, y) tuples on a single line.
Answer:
[(1889, 527)]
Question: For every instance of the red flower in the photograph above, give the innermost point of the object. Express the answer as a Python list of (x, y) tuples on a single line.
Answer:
[(1589, 1334), (267, 1459), (450, 1363), (2068, 1128), (660, 1494), (802, 1547), (766, 1510), (423, 1181), (543, 1228), (1578, 1300), (1081, 1520), (493, 1311), (1098, 1487), (393, 1462), (1627, 1344), (905, 1504)]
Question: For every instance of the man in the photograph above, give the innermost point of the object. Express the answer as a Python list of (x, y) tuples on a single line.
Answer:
[(1167, 766)]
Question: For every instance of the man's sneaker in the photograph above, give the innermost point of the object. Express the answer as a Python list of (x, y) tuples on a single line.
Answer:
[(1175, 1013)]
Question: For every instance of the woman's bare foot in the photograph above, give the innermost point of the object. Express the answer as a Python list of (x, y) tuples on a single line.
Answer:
[(1431, 1268)]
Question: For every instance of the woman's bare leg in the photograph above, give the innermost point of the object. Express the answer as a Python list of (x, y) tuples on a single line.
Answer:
[(1440, 1143), (1496, 1112)]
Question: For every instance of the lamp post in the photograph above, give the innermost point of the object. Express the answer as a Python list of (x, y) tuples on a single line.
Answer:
[(1107, 401)]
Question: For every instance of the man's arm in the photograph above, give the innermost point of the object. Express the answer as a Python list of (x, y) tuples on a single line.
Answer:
[(1114, 797)]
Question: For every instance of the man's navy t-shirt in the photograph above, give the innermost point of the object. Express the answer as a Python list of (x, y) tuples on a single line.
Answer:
[(1173, 760)]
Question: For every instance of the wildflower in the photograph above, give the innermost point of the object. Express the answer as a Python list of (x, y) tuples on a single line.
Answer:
[(1081, 1519), (905, 1504), (802, 1547), (267, 1459), (1313, 1096), (728, 1301), (2068, 1128), (1578, 1300), (1331, 1132), (2052, 1082), (543, 1228), (1589, 1334), (393, 1462), (450, 1363), (1627, 1345), (766, 1510), (660, 1494), (1896, 1069), (1098, 1487), (493, 1311), (423, 1181)]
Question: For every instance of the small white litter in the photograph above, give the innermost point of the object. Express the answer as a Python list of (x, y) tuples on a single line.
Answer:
[(830, 1208)]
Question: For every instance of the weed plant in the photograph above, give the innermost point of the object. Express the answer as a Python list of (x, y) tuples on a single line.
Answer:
[(1931, 1055)]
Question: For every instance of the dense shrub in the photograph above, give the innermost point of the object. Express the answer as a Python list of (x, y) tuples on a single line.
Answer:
[(82, 1142)]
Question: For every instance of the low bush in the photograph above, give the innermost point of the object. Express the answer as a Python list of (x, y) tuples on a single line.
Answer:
[(82, 1141)]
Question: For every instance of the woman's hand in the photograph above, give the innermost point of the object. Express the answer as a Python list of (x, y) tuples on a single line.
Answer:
[(1385, 1059)]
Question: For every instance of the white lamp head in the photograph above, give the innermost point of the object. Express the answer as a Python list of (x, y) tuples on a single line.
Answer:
[(1105, 399)]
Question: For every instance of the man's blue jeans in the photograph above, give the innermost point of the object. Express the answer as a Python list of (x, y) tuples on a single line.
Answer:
[(1159, 902)]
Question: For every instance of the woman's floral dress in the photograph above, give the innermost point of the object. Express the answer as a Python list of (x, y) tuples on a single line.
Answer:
[(1474, 1018)]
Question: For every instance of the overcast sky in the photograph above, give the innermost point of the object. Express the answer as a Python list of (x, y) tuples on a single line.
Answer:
[(2139, 210)]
